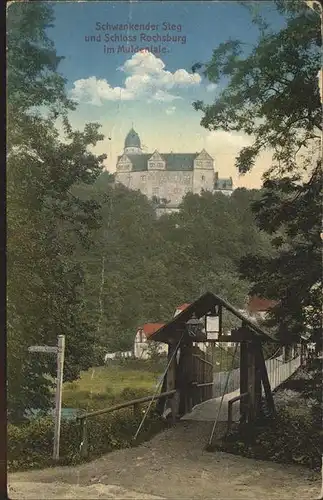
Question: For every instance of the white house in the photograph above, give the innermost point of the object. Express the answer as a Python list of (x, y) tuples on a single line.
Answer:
[(142, 346)]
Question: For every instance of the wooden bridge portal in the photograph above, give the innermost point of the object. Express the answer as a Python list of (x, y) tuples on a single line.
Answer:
[(190, 375)]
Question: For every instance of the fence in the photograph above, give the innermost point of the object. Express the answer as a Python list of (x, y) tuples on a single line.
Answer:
[(135, 403), (278, 372)]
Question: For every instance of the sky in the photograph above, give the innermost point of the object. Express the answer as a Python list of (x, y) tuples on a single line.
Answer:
[(148, 82)]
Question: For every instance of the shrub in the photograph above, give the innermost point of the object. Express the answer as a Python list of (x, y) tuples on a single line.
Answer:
[(30, 445), (286, 439)]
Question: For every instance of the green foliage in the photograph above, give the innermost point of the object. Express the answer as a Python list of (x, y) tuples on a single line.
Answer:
[(140, 268), (292, 214), (45, 222), (295, 435), (271, 93), (286, 440), (30, 445), (88, 258)]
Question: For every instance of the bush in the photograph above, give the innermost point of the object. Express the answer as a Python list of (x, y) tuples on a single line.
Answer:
[(31, 445), (287, 439)]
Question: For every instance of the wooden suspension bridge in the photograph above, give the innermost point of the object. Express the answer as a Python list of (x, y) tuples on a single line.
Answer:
[(188, 388)]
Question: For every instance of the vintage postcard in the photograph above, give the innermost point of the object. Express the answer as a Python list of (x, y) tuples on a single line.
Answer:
[(164, 267)]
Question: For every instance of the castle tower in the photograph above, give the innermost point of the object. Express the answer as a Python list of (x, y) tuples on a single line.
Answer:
[(132, 144), (203, 175)]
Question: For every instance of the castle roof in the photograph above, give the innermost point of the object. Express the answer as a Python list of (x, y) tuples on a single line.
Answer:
[(132, 140), (174, 161)]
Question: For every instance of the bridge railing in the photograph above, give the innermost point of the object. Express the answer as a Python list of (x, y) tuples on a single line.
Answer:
[(135, 403), (278, 372)]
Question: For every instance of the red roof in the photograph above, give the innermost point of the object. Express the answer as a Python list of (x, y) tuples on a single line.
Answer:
[(258, 304), (150, 328), (182, 307)]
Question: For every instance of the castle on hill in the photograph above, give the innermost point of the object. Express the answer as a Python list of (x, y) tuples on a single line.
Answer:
[(167, 177)]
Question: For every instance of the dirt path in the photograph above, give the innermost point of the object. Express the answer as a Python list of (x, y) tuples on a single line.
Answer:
[(173, 465)]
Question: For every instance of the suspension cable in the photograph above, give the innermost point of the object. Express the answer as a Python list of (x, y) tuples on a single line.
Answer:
[(225, 388), (158, 387)]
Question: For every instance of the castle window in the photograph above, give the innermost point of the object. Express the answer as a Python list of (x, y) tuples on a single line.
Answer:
[(160, 165), (143, 178), (152, 164), (156, 190), (203, 178), (177, 190)]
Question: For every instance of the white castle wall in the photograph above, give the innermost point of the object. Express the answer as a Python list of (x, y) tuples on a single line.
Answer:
[(160, 183), (166, 184)]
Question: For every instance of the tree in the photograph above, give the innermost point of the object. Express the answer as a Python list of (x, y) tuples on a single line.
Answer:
[(126, 277), (141, 267), (207, 238), (272, 95), (45, 220)]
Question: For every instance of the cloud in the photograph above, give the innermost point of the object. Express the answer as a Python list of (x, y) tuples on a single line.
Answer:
[(146, 79), (235, 141), (211, 87), (170, 110), (94, 91)]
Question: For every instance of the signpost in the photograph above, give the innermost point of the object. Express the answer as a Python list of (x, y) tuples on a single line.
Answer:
[(60, 351), (42, 348)]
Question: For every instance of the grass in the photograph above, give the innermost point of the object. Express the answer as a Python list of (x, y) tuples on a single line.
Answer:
[(30, 444), (102, 386)]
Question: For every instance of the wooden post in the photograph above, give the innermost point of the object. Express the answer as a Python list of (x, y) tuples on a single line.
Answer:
[(284, 356), (265, 380), (243, 378), (136, 410), (84, 445), (189, 369), (185, 378), (171, 373), (171, 381), (220, 320), (58, 397), (254, 382)]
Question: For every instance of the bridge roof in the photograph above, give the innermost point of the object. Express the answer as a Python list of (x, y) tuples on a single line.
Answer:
[(200, 307)]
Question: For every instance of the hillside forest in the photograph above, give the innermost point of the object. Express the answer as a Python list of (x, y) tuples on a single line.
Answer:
[(139, 268), (90, 260)]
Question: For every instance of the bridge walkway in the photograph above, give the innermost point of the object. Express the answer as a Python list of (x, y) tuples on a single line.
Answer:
[(278, 372)]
